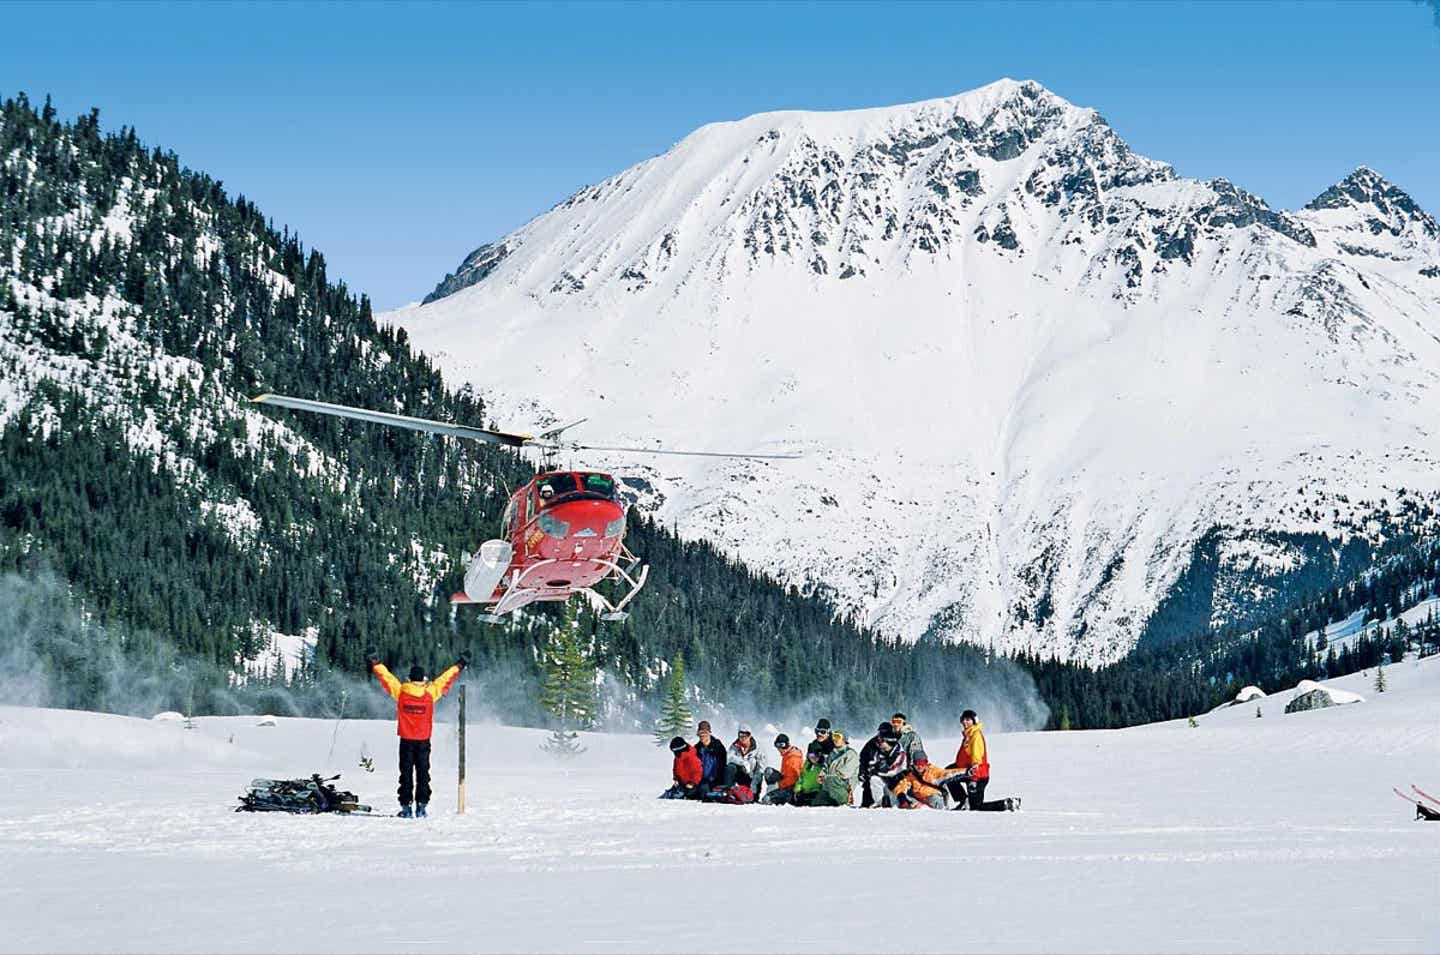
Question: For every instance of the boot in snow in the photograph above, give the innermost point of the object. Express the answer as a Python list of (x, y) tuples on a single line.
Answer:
[(1012, 803), (420, 810), (405, 812)]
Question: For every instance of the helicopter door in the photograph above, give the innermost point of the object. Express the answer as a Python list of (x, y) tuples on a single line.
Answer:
[(486, 569)]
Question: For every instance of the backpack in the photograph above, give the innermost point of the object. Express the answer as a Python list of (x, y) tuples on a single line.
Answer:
[(313, 795), (737, 795)]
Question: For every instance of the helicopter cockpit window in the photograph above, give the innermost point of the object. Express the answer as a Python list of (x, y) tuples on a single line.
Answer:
[(554, 487), (602, 484)]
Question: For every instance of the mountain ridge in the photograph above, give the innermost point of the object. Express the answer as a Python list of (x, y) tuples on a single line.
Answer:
[(973, 265)]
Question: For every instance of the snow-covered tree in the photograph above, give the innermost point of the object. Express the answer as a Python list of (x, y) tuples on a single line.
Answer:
[(675, 715), (1380, 677)]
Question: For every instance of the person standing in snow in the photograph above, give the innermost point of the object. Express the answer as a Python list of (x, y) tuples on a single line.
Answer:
[(782, 781), (746, 762), (713, 757), (685, 773), (415, 702), (973, 762)]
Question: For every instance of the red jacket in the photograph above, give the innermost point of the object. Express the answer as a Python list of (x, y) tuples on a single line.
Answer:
[(415, 702), (687, 767)]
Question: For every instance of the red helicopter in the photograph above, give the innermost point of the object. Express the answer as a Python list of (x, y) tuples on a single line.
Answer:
[(563, 531)]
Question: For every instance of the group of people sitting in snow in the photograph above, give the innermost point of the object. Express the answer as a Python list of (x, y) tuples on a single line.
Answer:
[(890, 771)]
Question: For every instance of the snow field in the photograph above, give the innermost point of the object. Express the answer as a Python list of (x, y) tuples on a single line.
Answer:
[(1271, 834)]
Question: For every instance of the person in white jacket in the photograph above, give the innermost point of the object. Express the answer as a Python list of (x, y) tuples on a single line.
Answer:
[(746, 763)]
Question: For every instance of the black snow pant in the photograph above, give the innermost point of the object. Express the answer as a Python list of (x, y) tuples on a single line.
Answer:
[(972, 793), (414, 771)]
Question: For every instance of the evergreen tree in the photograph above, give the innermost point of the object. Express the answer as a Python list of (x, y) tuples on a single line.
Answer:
[(1380, 677), (567, 692), (675, 718)]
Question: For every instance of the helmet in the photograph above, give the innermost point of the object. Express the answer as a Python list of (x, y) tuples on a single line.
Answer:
[(678, 745)]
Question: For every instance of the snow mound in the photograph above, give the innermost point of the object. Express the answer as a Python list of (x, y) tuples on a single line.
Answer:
[(1247, 694), (169, 716), (1309, 695), (266, 720)]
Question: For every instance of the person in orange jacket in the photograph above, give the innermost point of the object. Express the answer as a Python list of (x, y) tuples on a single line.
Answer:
[(415, 702), (782, 781), (972, 760)]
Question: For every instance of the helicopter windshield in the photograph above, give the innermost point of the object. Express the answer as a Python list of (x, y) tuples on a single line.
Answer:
[(564, 486), (600, 484), (552, 487)]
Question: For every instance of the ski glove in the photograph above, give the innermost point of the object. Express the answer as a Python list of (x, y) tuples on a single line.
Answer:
[(371, 658), (463, 662)]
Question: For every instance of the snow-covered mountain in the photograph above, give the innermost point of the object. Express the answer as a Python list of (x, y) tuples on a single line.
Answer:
[(1029, 369)]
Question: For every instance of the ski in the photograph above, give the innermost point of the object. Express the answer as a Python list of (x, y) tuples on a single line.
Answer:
[(1422, 811), (1425, 794)]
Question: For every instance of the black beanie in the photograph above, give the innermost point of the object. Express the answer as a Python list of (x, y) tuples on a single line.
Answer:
[(969, 715), (678, 745), (417, 672), (782, 741), (824, 724), (888, 731)]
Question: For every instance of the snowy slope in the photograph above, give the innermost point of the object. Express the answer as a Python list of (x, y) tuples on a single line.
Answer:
[(1029, 369), (1243, 834)]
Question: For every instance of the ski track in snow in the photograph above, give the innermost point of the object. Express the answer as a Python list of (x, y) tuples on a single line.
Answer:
[(1273, 834)]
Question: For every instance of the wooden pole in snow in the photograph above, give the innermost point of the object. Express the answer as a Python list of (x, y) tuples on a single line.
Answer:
[(460, 799)]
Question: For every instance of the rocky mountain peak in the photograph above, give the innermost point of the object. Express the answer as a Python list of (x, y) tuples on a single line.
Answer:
[(1385, 206)]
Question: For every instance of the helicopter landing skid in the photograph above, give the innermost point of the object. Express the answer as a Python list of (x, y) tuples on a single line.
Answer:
[(616, 612)]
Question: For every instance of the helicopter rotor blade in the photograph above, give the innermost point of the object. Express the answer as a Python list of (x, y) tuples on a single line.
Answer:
[(545, 437), (688, 454), (395, 420)]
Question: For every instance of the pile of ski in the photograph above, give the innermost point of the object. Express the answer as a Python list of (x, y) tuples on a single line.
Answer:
[(306, 796), (1427, 807)]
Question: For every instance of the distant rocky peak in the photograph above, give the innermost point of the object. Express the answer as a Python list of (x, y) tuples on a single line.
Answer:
[(1386, 205)]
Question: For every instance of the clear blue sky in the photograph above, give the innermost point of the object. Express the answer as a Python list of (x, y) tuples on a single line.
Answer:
[(395, 138)]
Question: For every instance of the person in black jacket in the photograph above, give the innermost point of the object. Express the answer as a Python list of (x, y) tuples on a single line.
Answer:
[(868, 754), (822, 736), (713, 757)]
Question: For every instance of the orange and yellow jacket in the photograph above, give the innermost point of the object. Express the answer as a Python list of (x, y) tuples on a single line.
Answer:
[(792, 760), (415, 701), (921, 782), (972, 752)]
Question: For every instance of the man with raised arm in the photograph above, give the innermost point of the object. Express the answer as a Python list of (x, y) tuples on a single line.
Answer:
[(415, 701)]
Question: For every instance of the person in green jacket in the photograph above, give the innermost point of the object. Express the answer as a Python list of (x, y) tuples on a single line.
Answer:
[(839, 774), (807, 787)]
